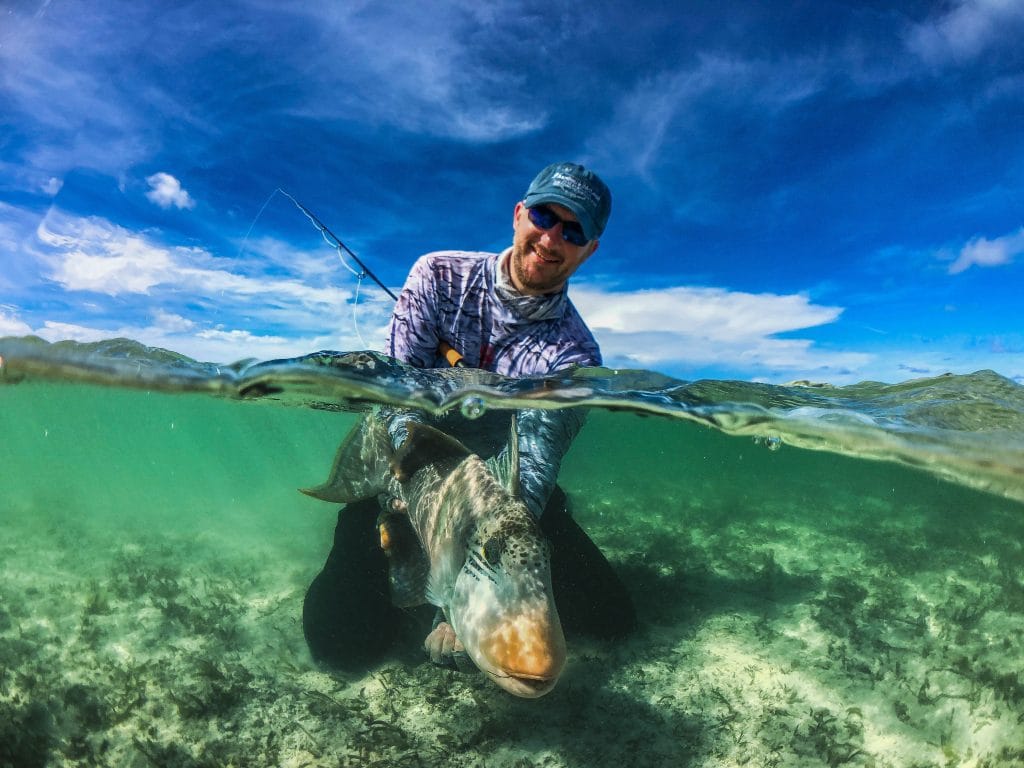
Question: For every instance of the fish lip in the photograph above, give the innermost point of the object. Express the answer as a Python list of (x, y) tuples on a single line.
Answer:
[(524, 686)]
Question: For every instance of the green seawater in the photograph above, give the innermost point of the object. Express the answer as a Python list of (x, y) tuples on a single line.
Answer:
[(823, 577)]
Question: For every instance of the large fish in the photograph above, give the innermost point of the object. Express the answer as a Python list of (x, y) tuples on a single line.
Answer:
[(458, 536)]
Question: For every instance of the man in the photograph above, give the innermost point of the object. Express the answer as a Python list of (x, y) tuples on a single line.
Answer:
[(508, 313)]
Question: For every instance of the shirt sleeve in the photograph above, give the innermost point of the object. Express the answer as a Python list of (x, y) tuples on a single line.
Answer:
[(396, 422), (412, 333), (544, 438), (546, 435)]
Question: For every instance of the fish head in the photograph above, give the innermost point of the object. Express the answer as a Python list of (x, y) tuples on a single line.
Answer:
[(502, 608)]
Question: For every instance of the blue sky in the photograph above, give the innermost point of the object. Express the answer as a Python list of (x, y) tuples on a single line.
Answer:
[(803, 190)]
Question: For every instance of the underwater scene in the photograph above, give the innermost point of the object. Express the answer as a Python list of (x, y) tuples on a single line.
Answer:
[(823, 576)]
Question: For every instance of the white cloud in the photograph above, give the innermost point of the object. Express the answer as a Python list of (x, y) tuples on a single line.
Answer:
[(313, 266), (13, 224), (121, 264), (218, 345), (664, 110), (92, 254), (966, 30), (10, 325), (687, 331), (219, 314), (236, 337), (172, 323), (166, 191), (437, 68), (983, 252), (715, 313), (52, 186), (57, 331), (687, 328)]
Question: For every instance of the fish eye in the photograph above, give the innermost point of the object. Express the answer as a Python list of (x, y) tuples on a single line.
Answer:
[(492, 550)]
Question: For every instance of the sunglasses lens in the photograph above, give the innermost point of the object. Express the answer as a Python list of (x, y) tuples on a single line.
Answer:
[(544, 218), (573, 232)]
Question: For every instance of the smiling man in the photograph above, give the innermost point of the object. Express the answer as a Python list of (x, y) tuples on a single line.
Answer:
[(508, 313)]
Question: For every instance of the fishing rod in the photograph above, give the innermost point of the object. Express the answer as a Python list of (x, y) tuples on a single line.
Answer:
[(333, 240), (449, 353)]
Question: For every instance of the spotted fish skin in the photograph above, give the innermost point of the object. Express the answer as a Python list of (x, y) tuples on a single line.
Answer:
[(482, 557)]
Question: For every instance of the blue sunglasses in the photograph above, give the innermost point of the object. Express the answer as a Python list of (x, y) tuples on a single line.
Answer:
[(544, 218)]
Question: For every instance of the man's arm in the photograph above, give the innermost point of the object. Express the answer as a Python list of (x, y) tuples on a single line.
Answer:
[(544, 439), (412, 334), (545, 435), (412, 338)]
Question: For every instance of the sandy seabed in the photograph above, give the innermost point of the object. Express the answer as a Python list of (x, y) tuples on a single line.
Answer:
[(766, 639)]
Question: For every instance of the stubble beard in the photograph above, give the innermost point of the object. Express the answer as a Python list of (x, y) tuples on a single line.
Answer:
[(521, 275)]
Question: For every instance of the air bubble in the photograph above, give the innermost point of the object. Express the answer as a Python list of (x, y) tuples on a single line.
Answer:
[(472, 407)]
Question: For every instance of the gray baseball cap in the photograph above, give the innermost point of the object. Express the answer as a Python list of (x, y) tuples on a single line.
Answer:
[(578, 189)]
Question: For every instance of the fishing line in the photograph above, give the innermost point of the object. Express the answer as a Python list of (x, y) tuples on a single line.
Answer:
[(245, 240), (331, 239), (355, 319), (339, 247)]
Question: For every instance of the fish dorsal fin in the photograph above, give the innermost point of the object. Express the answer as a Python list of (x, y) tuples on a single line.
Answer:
[(361, 465), (505, 466), (423, 446)]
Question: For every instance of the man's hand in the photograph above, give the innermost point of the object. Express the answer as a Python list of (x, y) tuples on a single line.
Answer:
[(442, 644)]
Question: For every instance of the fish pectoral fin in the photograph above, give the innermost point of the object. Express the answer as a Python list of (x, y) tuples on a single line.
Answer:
[(408, 567), (424, 446), (328, 492)]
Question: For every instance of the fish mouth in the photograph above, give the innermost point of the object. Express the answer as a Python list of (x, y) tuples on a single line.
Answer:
[(525, 664), (524, 686), (527, 675)]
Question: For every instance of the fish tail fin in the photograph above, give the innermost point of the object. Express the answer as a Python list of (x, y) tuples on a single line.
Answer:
[(362, 465)]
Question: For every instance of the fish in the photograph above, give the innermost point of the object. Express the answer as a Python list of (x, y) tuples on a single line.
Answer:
[(457, 535)]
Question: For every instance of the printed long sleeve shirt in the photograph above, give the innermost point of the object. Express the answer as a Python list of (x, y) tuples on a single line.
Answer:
[(467, 300)]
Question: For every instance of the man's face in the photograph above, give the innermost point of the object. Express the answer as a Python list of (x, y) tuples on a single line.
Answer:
[(542, 260)]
